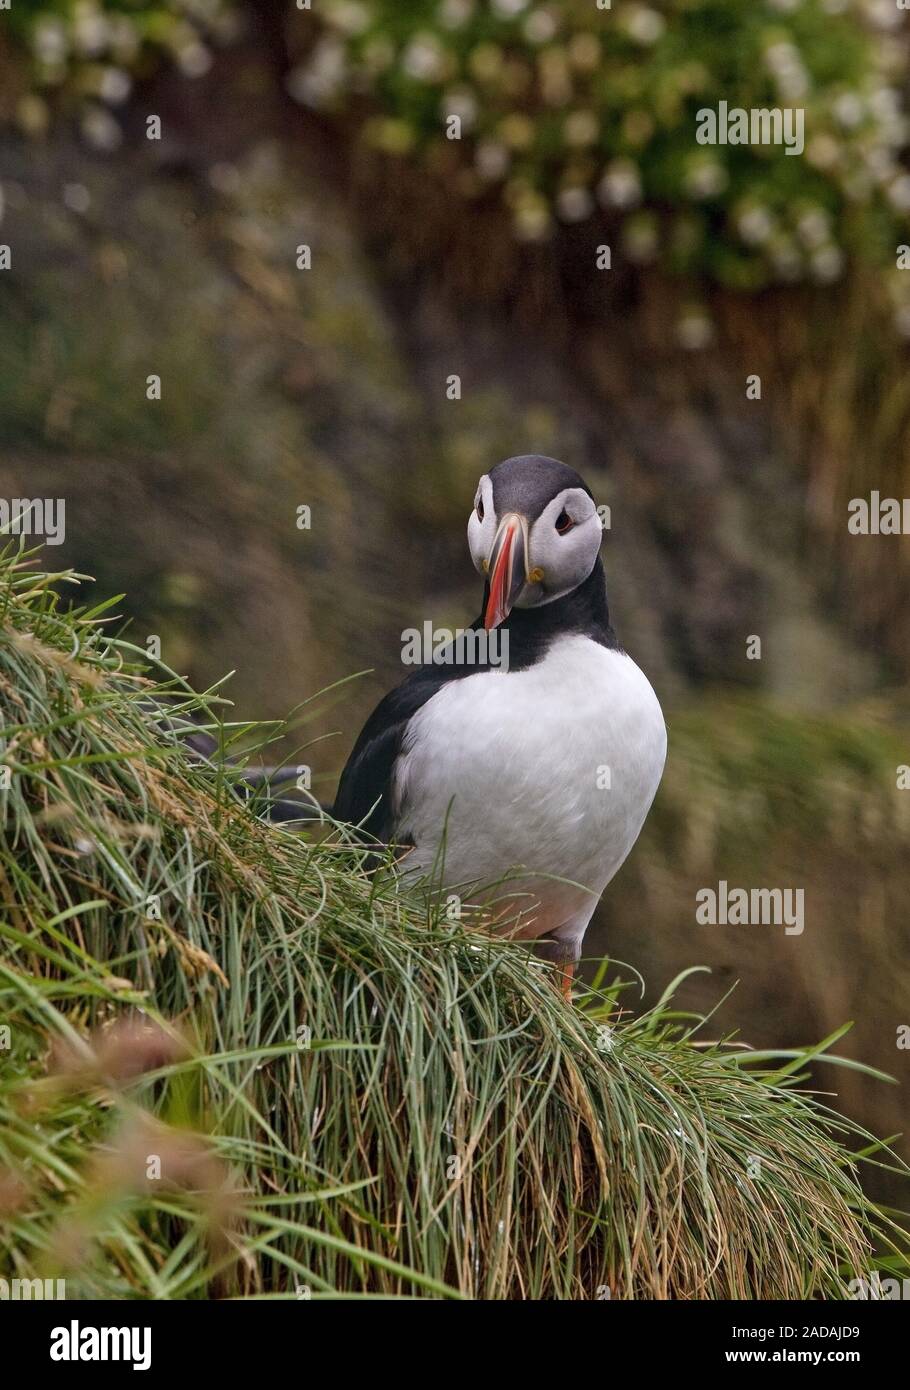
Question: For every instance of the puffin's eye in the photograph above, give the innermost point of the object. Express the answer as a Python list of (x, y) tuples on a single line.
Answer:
[(480, 509), (564, 522)]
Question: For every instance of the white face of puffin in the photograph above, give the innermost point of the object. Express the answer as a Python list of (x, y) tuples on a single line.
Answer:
[(531, 561)]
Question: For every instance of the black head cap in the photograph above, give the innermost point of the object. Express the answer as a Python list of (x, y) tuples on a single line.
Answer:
[(527, 482)]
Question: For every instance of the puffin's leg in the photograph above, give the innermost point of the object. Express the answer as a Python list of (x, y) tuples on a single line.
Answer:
[(563, 948), (555, 952)]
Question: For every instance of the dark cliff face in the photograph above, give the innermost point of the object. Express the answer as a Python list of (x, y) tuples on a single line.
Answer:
[(326, 389)]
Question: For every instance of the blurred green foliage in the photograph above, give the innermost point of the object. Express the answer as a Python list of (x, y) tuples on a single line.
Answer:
[(91, 51), (566, 107)]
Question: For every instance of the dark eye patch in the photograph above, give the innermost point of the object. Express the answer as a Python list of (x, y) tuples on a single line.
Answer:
[(564, 522)]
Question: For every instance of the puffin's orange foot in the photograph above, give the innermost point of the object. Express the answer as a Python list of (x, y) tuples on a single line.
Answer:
[(565, 980)]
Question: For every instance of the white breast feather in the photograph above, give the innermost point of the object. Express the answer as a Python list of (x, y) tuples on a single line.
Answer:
[(518, 761)]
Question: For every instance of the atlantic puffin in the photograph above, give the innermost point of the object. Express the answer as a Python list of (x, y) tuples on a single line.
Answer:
[(520, 784)]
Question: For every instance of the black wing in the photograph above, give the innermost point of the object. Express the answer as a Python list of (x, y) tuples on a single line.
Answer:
[(365, 790)]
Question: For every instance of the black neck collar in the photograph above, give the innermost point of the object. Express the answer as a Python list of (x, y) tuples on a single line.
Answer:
[(584, 611)]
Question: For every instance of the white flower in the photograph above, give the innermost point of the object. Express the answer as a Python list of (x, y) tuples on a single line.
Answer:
[(422, 59), (350, 17), (786, 65), (100, 129), (792, 83), (642, 24), (782, 55), (885, 103), (705, 178), (203, 10), (454, 13), (826, 264), (881, 162), (460, 103), (90, 30), (884, 14), (823, 152), (814, 227), (540, 26), (115, 86), (899, 193), (574, 204), (76, 197), (585, 52), (532, 220), (620, 186), (225, 178), (491, 159), (694, 330), (849, 110), (581, 128), (786, 260), (894, 131), (328, 59), (508, 9), (755, 225), (49, 40), (194, 59), (306, 88), (318, 82)]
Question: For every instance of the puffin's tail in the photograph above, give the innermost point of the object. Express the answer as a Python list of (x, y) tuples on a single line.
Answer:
[(279, 807), (284, 805)]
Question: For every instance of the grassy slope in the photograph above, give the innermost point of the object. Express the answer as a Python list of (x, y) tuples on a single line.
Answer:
[(756, 794), (446, 1122)]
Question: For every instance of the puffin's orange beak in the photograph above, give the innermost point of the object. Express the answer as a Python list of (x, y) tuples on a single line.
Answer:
[(508, 568)]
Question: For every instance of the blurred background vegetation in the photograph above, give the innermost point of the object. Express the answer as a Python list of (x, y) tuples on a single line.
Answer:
[(325, 126)]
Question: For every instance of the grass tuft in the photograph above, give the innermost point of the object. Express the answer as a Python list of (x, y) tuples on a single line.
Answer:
[(236, 1062)]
